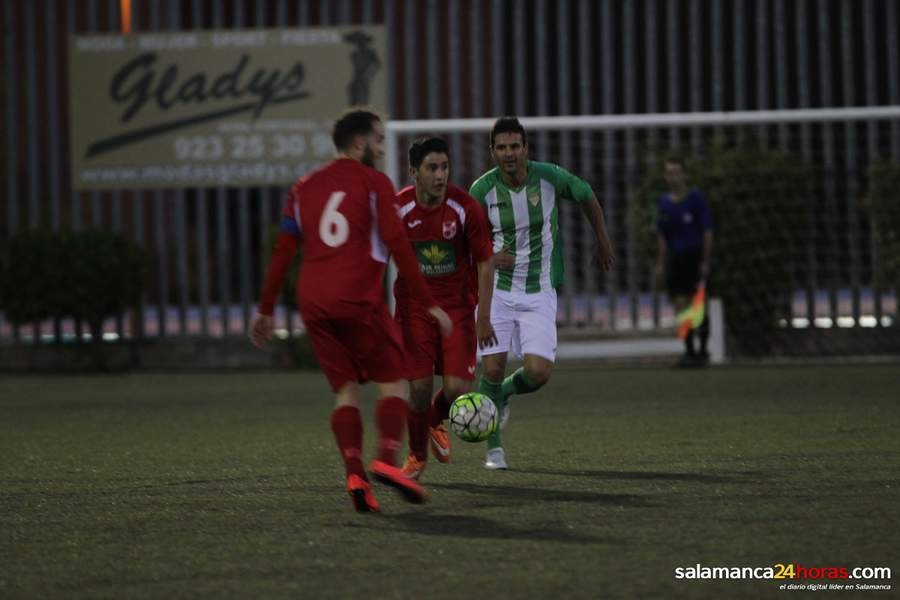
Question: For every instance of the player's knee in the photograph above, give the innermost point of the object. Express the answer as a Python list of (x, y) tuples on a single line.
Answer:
[(399, 388), (539, 373), (493, 372), (347, 395)]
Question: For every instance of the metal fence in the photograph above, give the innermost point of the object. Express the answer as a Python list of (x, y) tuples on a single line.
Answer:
[(452, 59)]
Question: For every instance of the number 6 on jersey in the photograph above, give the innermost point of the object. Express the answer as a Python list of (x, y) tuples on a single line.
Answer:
[(333, 226)]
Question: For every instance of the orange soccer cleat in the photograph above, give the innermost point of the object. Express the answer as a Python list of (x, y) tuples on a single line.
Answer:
[(439, 442), (413, 467), (390, 475), (361, 494)]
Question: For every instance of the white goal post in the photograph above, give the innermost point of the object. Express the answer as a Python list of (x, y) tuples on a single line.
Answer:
[(393, 154), (837, 143)]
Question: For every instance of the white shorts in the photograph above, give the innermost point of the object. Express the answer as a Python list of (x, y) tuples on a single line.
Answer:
[(524, 323)]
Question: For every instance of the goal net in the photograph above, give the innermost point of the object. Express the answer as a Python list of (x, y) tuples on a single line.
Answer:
[(804, 260)]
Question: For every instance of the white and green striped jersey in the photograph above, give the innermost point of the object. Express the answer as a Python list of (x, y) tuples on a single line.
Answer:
[(524, 222)]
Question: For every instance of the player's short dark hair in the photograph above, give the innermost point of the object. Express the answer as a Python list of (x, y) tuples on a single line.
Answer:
[(508, 125), (352, 122), (425, 145), (675, 159)]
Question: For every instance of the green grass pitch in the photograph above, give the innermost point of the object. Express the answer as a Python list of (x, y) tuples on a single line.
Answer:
[(229, 485)]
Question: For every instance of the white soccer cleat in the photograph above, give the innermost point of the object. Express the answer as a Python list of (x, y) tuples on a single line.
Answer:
[(495, 459)]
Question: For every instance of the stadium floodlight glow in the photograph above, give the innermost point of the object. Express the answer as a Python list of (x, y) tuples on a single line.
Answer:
[(799, 322), (846, 322)]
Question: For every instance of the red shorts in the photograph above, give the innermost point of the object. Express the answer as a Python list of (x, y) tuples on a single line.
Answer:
[(359, 349), (428, 353)]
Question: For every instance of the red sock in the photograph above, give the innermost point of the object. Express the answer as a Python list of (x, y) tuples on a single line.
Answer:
[(440, 408), (346, 424), (390, 418), (417, 423)]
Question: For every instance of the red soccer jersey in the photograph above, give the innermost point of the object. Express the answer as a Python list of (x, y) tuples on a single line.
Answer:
[(344, 215), (449, 240)]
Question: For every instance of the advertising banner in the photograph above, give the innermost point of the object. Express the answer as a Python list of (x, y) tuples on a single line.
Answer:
[(215, 108)]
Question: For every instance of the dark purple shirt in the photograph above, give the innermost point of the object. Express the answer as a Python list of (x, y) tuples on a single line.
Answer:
[(683, 223)]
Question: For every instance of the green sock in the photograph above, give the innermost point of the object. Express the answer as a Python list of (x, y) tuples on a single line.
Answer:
[(519, 383), (494, 391)]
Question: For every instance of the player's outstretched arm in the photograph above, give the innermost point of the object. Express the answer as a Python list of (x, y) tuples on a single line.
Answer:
[(603, 252)]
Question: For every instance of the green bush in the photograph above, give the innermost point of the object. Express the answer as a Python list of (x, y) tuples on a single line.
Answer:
[(883, 203), (87, 275), (30, 264), (760, 200)]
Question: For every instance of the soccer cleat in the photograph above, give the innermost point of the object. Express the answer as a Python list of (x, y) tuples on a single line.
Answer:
[(394, 477), (413, 467), (440, 443), (495, 459), (361, 494)]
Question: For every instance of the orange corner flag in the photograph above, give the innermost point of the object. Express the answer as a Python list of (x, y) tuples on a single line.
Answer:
[(692, 316)]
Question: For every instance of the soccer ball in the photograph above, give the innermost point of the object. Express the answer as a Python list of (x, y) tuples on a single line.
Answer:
[(473, 417)]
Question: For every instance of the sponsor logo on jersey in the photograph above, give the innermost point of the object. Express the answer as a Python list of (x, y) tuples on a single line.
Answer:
[(435, 258), (415, 223)]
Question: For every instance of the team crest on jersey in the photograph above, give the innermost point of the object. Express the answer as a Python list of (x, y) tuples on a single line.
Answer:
[(449, 229), (534, 198)]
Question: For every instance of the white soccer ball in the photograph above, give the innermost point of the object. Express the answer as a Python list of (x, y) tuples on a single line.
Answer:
[(473, 417)]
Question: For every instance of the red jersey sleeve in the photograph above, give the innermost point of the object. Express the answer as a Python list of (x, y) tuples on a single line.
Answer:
[(282, 255), (393, 234)]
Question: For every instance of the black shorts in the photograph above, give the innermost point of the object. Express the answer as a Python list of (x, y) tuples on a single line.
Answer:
[(683, 272)]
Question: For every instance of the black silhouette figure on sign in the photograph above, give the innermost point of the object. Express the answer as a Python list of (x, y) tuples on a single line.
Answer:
[(365, 64)]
